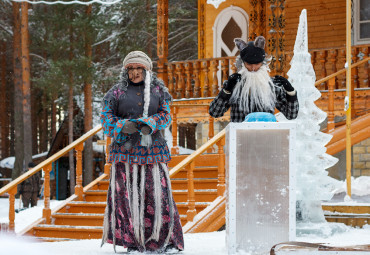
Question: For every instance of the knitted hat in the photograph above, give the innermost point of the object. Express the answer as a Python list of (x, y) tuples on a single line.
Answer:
[(252, 52), (138, 57)]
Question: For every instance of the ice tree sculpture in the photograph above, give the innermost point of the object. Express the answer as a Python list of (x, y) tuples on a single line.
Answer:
[(313, 182)]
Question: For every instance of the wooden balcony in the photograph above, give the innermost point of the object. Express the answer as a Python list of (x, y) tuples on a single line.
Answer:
[(204, 77)]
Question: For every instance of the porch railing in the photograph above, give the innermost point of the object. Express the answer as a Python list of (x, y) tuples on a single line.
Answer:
[(46, 165), (204, 77)]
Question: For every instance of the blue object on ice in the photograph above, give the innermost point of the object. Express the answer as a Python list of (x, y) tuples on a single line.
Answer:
[(260, 117)]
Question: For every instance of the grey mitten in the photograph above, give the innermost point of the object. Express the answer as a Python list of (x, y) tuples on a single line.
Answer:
[(129, 127), (145, 130)]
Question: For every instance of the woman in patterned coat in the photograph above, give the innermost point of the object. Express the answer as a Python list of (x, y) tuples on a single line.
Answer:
[(141, 213)]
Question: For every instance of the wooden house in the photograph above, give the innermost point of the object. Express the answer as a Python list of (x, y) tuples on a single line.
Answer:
[(198, 180), (219, 22)]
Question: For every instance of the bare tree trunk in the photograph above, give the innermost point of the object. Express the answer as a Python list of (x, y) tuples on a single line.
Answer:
[(148, 40), (27, 122), (11, 119), (53, 116), (72, 174), (45, 124), (4, 118), (88, 151), (39, 125), (34, 122), (18, 93)]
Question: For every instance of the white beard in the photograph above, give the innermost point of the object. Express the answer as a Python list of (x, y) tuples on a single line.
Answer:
[(254, 90)]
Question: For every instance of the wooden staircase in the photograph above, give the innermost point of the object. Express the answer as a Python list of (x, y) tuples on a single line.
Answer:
[(84, 219)]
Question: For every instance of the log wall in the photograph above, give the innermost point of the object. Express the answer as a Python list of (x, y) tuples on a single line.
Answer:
[(326, 23)]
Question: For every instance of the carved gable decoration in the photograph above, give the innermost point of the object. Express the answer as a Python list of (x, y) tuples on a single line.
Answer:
[(215, 3)]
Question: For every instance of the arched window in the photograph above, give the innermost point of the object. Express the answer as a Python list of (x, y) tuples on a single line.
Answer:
[(230, 23)]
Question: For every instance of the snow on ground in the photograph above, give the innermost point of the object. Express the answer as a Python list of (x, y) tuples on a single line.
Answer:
[(195, 244), (25, 217)]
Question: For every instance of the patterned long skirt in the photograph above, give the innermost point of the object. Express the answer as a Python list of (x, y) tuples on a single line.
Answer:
[(144, 215)]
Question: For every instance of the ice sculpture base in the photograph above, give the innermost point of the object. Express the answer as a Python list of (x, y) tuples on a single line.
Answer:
[(323, 229), (260, 179)]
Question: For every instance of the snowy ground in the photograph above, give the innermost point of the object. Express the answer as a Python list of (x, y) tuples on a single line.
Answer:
[(203, 243)]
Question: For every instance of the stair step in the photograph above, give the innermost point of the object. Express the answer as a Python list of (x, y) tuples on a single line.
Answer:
[(199, 172), (346, 208), (183, 219), (199, 183), (52, 239), (84, 207), (349, 220), (70, 232), (201, 195), (182, 207), (102, 185), (78, 219), (96, 195)]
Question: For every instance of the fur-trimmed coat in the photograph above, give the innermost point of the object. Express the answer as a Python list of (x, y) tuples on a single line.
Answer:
[(124, 102)]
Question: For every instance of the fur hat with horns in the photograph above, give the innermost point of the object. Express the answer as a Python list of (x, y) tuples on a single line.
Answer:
[(252, 52)]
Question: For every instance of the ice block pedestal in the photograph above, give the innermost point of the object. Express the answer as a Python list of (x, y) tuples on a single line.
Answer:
[(260, 186)]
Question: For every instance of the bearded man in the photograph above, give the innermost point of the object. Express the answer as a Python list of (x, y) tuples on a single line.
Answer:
[(251, 89)]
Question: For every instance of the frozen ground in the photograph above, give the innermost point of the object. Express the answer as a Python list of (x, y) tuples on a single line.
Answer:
[(203, 243)]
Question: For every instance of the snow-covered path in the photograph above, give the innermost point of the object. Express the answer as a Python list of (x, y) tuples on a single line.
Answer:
[(195, 244)]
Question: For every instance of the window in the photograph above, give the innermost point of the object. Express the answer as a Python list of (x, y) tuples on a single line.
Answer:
[(362, 21)]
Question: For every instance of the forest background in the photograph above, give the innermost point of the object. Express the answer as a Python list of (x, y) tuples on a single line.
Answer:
[(51, 56)]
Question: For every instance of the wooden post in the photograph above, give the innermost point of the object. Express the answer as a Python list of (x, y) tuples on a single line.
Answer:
[(162, 38), (211, 130), (107, 165), (79, 189), (349, 90), (331, 124), (191, 194), (342, 61), (27, 122), (232, 66), (180, 83), (364, 69), (354, 80), (12, 193), (333, 57), (206, 80), (214, 69), (188, 91), (322, 58), (46, 213), (224, 70), (221, 168), (175, 148), (196, 79), (170, 79), (201, 28)]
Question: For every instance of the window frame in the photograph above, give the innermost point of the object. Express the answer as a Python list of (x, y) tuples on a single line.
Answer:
[(356, 24)]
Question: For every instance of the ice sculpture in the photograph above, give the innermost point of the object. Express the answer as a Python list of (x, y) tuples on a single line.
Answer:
[(313, 182), (260, 181)]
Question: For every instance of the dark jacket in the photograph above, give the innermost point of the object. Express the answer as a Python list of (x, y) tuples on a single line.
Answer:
[(31, 185)]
